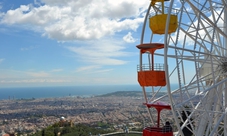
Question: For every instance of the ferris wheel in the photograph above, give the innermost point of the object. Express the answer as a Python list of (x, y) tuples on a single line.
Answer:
[(183, 50)]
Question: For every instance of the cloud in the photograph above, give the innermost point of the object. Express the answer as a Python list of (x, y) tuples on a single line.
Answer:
[(128, 38), (14, 76), (1, 60), (28, 48), (93, 69), (34, 81), (102, 71), (100, 52), (78, 20), (87, 68), (38, 74), (56, 70)]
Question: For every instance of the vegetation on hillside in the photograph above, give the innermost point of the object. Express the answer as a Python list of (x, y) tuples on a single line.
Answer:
[(70, 130)]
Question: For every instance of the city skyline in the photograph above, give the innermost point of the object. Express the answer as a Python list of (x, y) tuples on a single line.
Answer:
[(59, 43)]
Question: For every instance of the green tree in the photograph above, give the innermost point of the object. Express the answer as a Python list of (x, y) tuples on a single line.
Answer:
[(43, 132), (56, 130), (66, 130)]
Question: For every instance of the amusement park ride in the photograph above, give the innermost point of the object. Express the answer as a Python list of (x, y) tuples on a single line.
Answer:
[(190, 38)]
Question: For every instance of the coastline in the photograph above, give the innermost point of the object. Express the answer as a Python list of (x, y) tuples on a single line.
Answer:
[(115, 108), (65, 91), (62, 91)]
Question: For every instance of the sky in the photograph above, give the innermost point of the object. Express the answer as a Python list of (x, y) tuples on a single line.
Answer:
[(69, 42)]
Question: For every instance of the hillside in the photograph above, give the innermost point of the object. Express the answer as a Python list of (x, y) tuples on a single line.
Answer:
[(128, 94), (123, 93)]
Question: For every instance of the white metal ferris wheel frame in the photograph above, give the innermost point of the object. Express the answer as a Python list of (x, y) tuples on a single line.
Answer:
[(206, 94)]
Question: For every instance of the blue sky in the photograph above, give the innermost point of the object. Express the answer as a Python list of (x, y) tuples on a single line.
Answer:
[(67, 42)]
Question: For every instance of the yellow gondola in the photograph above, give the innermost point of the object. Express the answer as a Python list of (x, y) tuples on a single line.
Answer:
[(158, 22)]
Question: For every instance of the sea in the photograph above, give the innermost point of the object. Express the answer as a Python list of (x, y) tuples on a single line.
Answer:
[(64, 91)]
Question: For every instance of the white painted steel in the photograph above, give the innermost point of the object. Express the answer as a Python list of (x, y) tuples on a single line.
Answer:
[(195, 60)]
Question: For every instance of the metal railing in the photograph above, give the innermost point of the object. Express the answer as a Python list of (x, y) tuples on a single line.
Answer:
[(147, 67)]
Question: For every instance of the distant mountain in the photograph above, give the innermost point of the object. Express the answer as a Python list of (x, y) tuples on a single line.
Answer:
[(127, 94), (123, 93)]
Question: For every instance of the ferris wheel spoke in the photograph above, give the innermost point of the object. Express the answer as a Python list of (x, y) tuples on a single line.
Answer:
[(195, 63)]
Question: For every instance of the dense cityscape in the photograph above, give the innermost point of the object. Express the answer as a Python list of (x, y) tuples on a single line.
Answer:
[(28, 116)]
